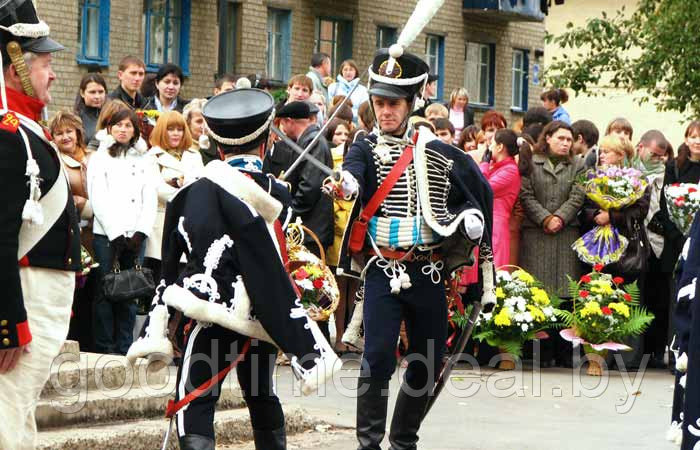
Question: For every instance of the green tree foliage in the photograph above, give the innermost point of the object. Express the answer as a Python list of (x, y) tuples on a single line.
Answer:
[(655, 51)]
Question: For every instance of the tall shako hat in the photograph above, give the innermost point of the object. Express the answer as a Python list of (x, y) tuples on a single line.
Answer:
[(239, 120), (19, 23), (404, 79)]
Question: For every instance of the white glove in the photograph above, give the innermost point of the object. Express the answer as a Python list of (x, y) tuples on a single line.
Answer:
[(347, 188), (474, 226)]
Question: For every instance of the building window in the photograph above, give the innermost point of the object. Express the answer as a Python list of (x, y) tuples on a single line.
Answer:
[(167, 30), (386, 36), (520, 78), (479, 78), (435, 57), (94, 32), (334, 38), (279, 24), (228, 37)]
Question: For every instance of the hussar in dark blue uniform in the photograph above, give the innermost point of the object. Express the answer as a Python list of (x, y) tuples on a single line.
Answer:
[(427, 226), (39, 233), (228, 224), (685, 417)]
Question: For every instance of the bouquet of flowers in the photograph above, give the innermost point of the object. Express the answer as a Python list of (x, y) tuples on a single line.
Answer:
[(605, 311), (683, 201), (610, 188), (522, 312)]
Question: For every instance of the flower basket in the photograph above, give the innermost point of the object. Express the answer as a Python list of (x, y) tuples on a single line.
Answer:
[(315, 281), (605, 311), (507, 362), (522, 312)]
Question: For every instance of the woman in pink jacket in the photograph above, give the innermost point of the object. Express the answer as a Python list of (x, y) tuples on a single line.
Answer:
[(503, 175)]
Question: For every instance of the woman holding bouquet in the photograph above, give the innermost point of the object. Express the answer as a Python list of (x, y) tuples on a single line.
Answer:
[(684, 169), (628, 220)]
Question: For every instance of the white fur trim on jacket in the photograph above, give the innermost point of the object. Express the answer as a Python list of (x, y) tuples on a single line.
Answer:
[(237, 318), (242, 187), (155, 344)]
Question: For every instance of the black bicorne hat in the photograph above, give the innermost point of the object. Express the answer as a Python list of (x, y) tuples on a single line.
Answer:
[(239, 120), (19, 22), (401, 77)]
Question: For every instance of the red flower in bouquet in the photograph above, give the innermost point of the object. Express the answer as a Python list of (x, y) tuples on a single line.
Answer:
[(627, 297), (676, 184), (607, 311), (318, 283), (691, 190), (586, 279), (598, 267), (301, 274), (583, 294), (618, 280), (680, 201)]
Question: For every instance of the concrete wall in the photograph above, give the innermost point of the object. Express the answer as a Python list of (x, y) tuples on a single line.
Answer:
[(616, 102)]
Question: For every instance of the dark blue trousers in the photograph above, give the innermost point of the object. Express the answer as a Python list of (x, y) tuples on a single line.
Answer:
[(423, 307)]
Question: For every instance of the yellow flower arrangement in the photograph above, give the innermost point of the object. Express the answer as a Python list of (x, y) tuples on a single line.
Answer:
[(502, 319), (500, 293), (591, 308), (540, 296)]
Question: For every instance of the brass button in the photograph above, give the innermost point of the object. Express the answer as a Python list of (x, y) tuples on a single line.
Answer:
[(70, 261), (3, 323), (5, 342), (5, 332)]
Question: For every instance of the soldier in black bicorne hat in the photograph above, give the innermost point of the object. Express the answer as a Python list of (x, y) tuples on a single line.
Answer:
[(425, 228), (39, 233), (229, 226)]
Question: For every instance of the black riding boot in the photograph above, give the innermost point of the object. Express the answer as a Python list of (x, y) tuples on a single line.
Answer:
[(196, 442), (408, 415), (270, 439), (371, 412)]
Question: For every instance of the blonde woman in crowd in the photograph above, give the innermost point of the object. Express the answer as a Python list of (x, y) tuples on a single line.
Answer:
[(177, 163)]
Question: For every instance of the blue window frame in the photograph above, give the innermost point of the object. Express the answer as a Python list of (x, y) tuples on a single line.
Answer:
[(94, 32), (479, 73), (167, 31), (386, 36), (435, 57), (334, 38), (520, 79), (279, 49)]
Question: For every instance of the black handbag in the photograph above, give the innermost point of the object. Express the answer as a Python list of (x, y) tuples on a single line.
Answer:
[(120, 286), (635, 259)]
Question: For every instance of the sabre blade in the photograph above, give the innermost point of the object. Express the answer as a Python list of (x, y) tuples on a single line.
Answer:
[(303, 155)]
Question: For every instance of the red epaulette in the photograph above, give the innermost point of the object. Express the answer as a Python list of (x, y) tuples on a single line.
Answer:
[(9, 122)]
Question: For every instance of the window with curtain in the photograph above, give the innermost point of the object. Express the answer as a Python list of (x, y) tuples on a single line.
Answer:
[(478, 72), (278, 44), (434, 56), (520, 78), (167, 26), (386, 36), (93, 32)]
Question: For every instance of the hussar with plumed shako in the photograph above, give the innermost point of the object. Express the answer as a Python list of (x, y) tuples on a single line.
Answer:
[(234, 289), (421, 208)]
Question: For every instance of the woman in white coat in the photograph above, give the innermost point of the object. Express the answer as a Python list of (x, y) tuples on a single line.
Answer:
[(177, 164), (348, 77), (120, 180)]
